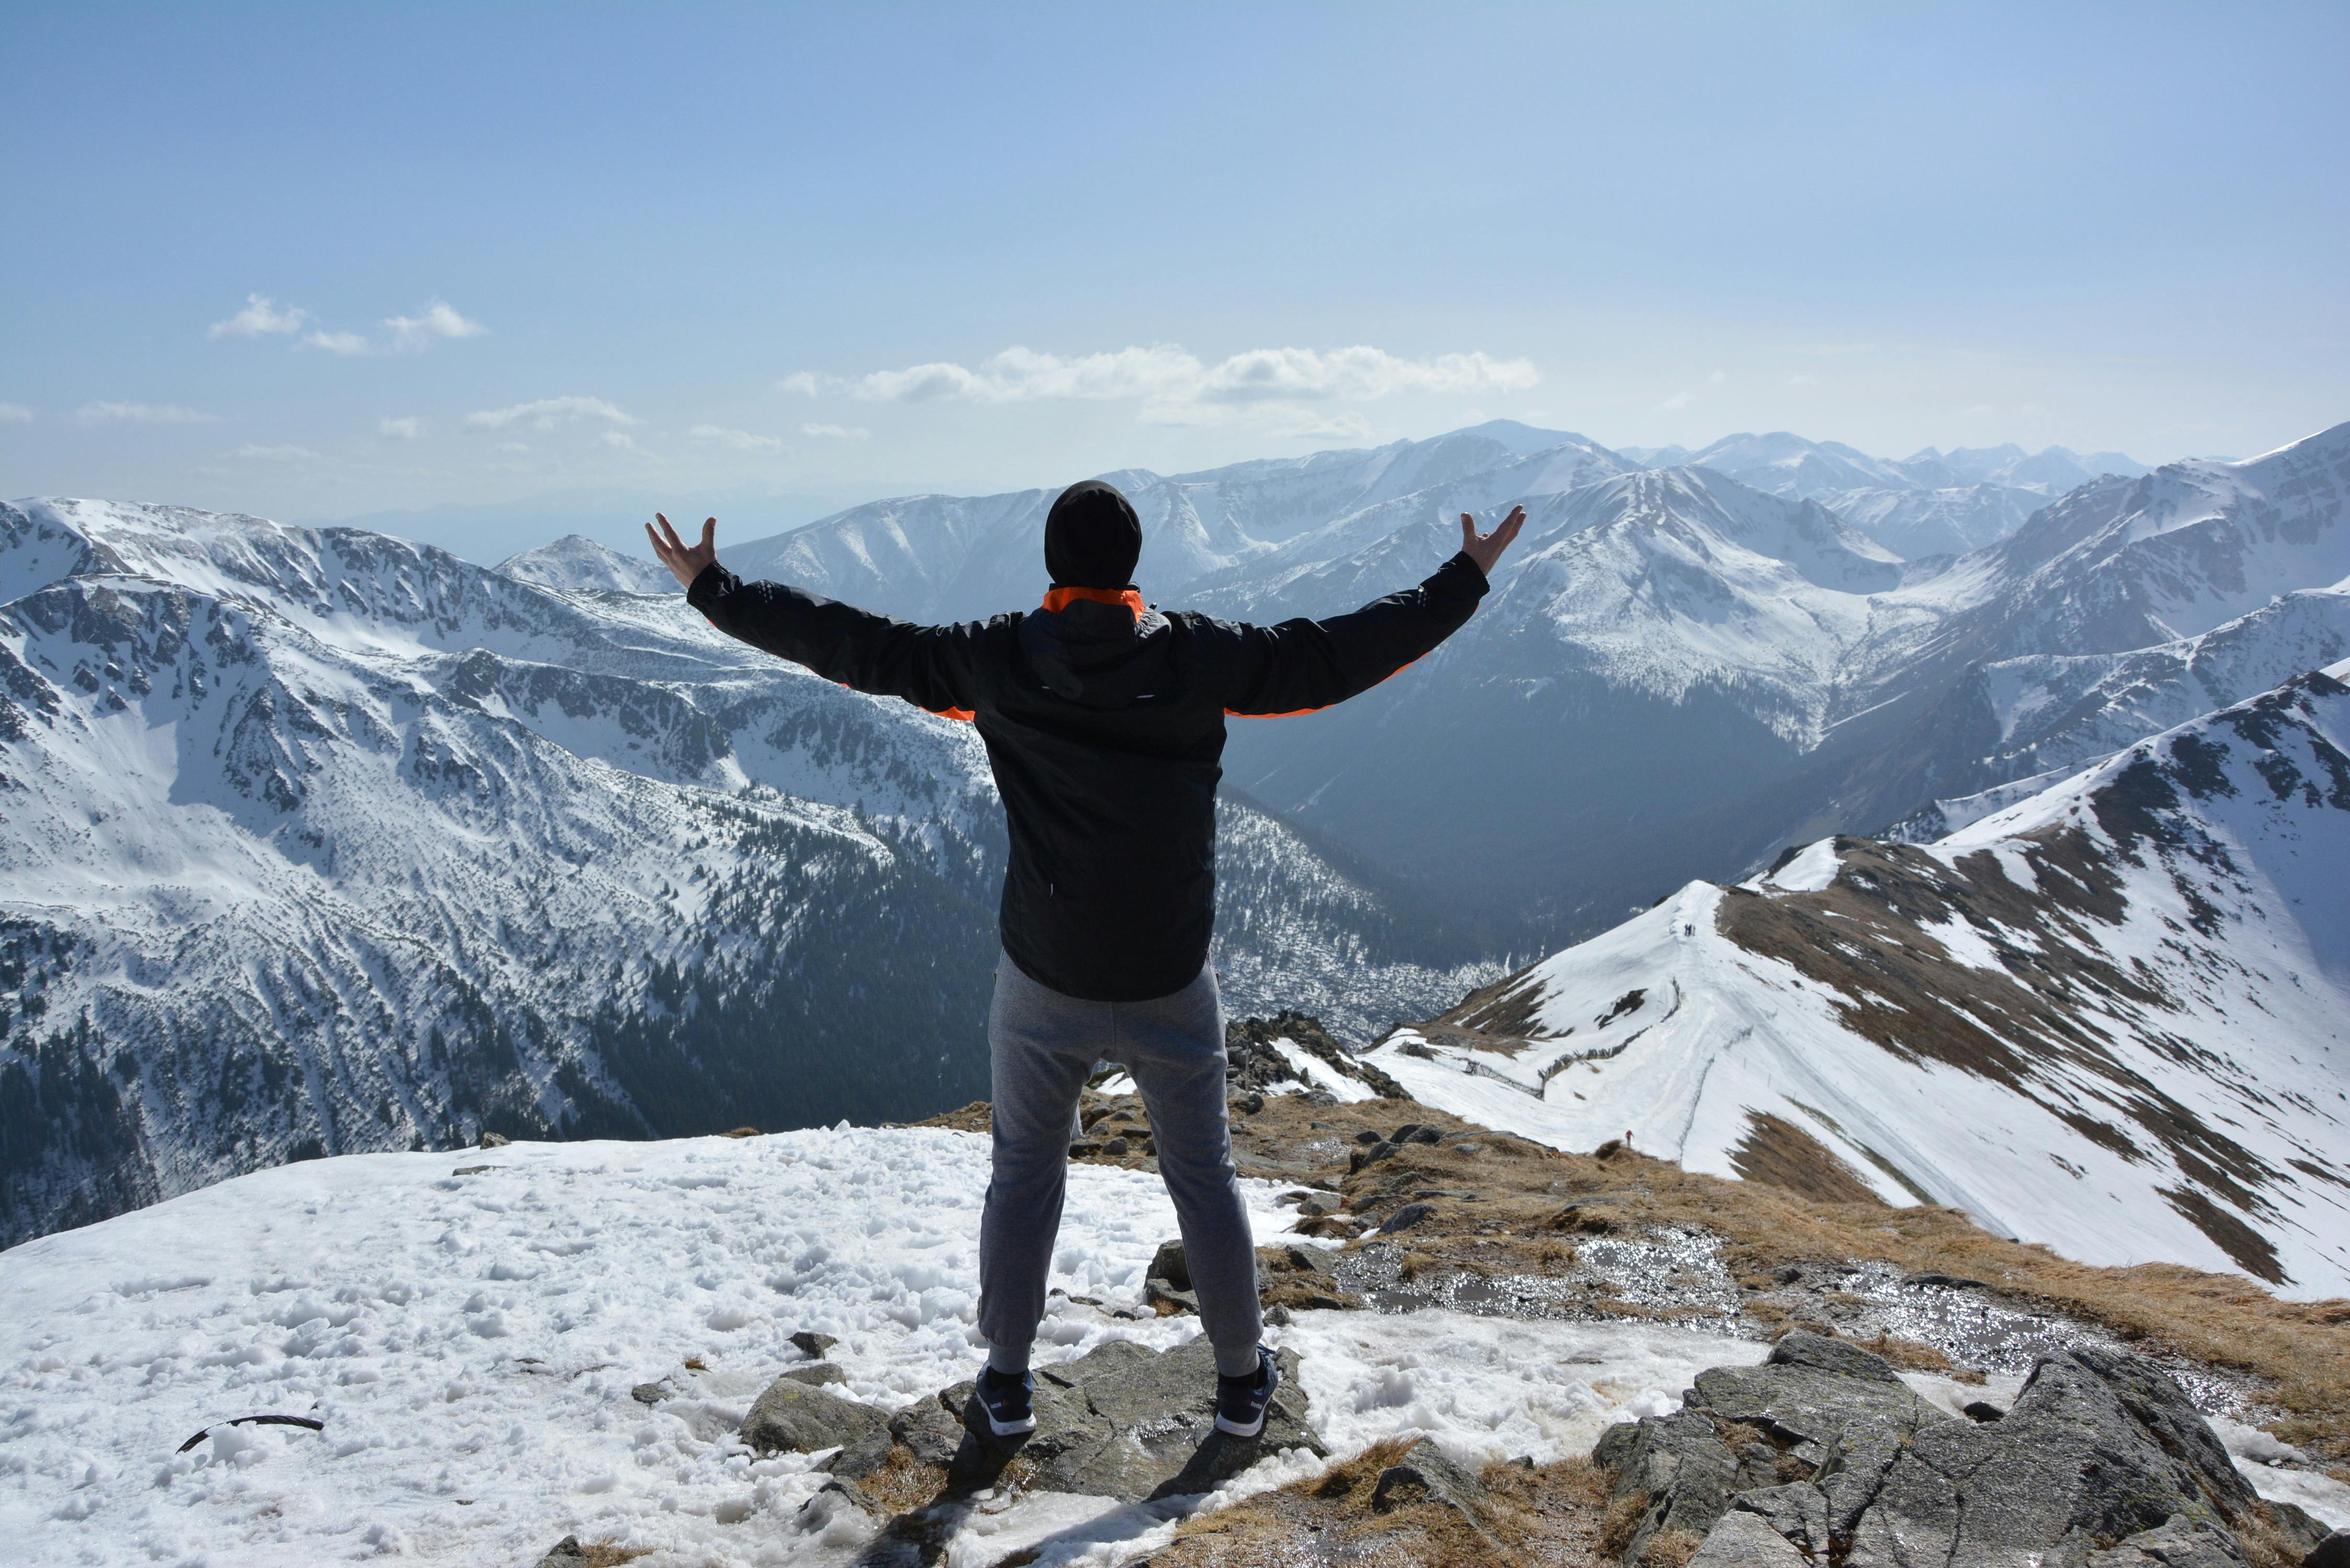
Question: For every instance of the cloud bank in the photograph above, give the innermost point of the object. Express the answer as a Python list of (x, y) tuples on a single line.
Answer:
[(546, 413), (1278, 388)]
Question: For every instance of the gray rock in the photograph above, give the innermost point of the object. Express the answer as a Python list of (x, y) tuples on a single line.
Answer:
[(2101, 1447), (816, 1376), (649, 1393), (2334, 1552), (811, 1343), (1678, 1464), (1122, 1422), (1424, 1473), (1796, 1512), (791, 1417), (1167, 1263), (1126, 1423), (495, 1140), (1811, 1390), (1743, 1541), (2173, 1545), (1405, 1218), (565, 1553)]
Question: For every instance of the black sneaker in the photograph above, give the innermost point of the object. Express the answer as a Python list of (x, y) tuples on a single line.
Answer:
[(1006, 1401), (1241, 1401)]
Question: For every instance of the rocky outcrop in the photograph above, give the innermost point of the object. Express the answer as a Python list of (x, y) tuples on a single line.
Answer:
[(792, 1416), (1122, 1421), (2102, 1462)]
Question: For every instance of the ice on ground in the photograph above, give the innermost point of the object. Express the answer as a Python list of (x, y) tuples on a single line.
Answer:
[(470, 1343)]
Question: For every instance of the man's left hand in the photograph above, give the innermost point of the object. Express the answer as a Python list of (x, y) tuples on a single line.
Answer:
[(685, 562)]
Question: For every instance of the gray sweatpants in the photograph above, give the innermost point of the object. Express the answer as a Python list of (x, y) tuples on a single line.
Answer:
[(1043, 1045)]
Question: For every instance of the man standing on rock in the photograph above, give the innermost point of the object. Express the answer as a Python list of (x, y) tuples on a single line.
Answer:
[(1104, 720)]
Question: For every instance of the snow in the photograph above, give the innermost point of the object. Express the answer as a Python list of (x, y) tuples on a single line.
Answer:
[(2252, 1037), (1810, 871), (1320, 1075), (470, 1343)]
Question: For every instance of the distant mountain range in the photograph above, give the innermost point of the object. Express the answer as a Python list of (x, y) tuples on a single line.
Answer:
[(320, 841)]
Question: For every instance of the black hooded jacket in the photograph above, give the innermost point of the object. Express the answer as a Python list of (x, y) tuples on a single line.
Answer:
[(1104, 720)]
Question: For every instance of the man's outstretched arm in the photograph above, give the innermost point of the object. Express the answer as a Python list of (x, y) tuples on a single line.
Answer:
[(1301, 665), (929, 666)]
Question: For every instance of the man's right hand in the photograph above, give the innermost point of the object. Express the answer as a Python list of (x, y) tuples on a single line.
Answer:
[(686, 562), (1485, 549)]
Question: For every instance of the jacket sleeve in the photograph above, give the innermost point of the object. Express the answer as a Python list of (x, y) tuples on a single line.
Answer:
[(932, 667), (1301, 665)]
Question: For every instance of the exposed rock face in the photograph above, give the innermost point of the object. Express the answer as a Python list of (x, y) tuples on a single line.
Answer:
[(1121, 1422), (2103, 1462), (792, 1417)]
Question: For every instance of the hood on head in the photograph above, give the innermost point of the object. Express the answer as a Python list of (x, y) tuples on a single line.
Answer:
[(1092, 538)]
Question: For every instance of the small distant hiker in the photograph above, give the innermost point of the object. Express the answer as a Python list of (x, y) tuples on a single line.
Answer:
[(1104, 720)]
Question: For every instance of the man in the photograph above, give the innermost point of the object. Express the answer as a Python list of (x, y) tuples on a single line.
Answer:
[(1103, 721)]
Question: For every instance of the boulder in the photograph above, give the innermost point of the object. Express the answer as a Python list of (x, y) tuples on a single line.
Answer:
[(565, 1553), (1405, 1218), (2102, 1458), (1424, 1473), (2334, 1552), (2176, 1543), (1743, 1541), (811, 1343), (1122, 1421), (816, 1375), (792, 1418)]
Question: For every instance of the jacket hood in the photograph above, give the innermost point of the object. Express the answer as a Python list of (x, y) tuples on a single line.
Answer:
[(1103, 650)]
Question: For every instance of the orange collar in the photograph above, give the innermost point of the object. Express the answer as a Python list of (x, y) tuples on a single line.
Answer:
[(1058, 599)]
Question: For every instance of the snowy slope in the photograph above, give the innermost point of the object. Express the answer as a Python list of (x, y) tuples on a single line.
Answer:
[(470, 1342), (319, 842), (579, 563), (2114, 1017), (942, 558)]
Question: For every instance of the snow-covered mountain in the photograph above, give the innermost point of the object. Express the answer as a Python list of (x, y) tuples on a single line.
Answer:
[(2114, 1017), (318, 841), (1930, 503), (942, 558), (578, 562)]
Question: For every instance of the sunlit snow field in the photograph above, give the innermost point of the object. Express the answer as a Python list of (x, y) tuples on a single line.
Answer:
[(470, 1343)]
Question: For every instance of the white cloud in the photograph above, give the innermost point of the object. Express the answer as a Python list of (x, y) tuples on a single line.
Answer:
[(343, 343), (1803, 380), (413, 333), (1719, 377), (274, 453), (259, 317), (546, 413), (836, 432), (741, 440), (408, 429), (1268, 388), (801, 381), (1167, 376), (510, 446), (1677, 400), (142, 414), (619, 440), (15, 414)]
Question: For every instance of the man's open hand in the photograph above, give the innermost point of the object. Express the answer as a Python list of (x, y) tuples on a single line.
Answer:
[(1485, 549), (687, 562)]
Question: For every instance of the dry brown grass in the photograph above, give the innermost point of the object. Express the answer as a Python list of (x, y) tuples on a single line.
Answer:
[(1550, 1515), (1531, 1201)]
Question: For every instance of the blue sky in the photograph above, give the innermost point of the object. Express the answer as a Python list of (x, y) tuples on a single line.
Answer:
[(528, 262)]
